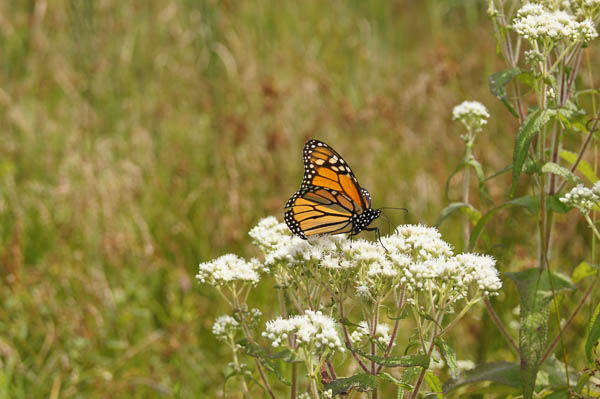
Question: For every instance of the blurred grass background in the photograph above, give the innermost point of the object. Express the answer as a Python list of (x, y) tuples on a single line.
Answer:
[(138, 139)]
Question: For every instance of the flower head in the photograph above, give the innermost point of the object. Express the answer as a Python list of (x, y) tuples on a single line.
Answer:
[(312, 329), (416, 243), (582, 198), (269, 233), (537, 22), (358, 337), (472, 114), (225, 327), (229, 268)]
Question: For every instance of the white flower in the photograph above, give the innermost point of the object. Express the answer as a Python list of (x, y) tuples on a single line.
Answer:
[(269, 233), (472, 114), (417, 242), (465, 365), (362, 331), (225, 326), (582, 198), (536, 22), (229, 268), (312, 329), (480, 270)]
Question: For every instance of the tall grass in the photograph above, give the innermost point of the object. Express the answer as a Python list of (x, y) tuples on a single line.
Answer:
[(140, 138)]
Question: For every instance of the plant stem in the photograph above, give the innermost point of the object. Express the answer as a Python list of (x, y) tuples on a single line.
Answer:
[(568, 323), (423, 371), (499, 324), (349, 343), (465, 196)]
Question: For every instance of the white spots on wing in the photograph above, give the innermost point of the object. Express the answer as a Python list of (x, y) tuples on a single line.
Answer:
[(333, 159), (320, 162)]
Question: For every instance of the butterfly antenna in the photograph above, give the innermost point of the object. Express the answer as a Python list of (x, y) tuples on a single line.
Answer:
[(378, 235), (400, 209)]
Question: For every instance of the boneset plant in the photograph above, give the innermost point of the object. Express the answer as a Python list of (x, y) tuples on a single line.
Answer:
[(546, 46), (352, 314)]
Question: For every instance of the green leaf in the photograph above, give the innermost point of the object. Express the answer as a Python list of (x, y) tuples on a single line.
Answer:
[(530, 127), (583, 167), (408, 375), (473, 213), (554, 204), (396, 361), (390, 378), (347, 322), (500, 172), (361, 382), (498, 82), (480, 176), (256, 351), (455, 171), (556, 169), (582, 271), (501, 373), (448, 354), (434, 383), (528, 202), (593, 335), (535, 291)]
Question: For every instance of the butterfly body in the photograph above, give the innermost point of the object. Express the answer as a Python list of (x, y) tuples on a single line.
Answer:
[(330, 200)]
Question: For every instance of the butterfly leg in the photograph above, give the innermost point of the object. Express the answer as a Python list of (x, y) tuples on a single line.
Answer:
[(377, 236)]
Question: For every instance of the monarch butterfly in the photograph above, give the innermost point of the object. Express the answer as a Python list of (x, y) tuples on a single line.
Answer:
[(330, 200)]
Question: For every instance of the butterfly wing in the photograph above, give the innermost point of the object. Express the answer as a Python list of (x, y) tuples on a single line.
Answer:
[(319, 210), (324, 167)]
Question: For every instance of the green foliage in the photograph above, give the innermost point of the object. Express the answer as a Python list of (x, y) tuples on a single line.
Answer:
[(361, 382), (583, 167), (504, 373), (593, 335), (528, 130), (536, 290), (498, 82)]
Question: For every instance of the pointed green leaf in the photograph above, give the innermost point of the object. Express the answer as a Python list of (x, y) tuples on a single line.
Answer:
[(556, 169), (408, 376), (593, 335), (455, 171), (361, 382), (396, 361), (501, 373), (500, 172), (554, 204), (473, 213), (583, 167), (582, 271), (434, 383), (535, 290), (390, 378), (448, 354), (498, 82), (254, 350), (530, 127), (528, 202)]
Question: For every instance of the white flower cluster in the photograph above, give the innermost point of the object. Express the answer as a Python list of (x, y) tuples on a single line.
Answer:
[(312, 329), (582, 198), (468, 109), (229, 268), (472, 114), (416, 243), (269, 234), (536, 22), (362, 331), (224, 327)]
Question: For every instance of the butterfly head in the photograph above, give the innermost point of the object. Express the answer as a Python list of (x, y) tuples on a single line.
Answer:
[(361, 222)]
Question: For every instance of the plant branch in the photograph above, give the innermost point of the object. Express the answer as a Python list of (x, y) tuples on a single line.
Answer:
[(568, 323)]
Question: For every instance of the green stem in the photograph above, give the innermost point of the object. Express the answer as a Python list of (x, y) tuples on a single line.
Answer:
[(465, 196)]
